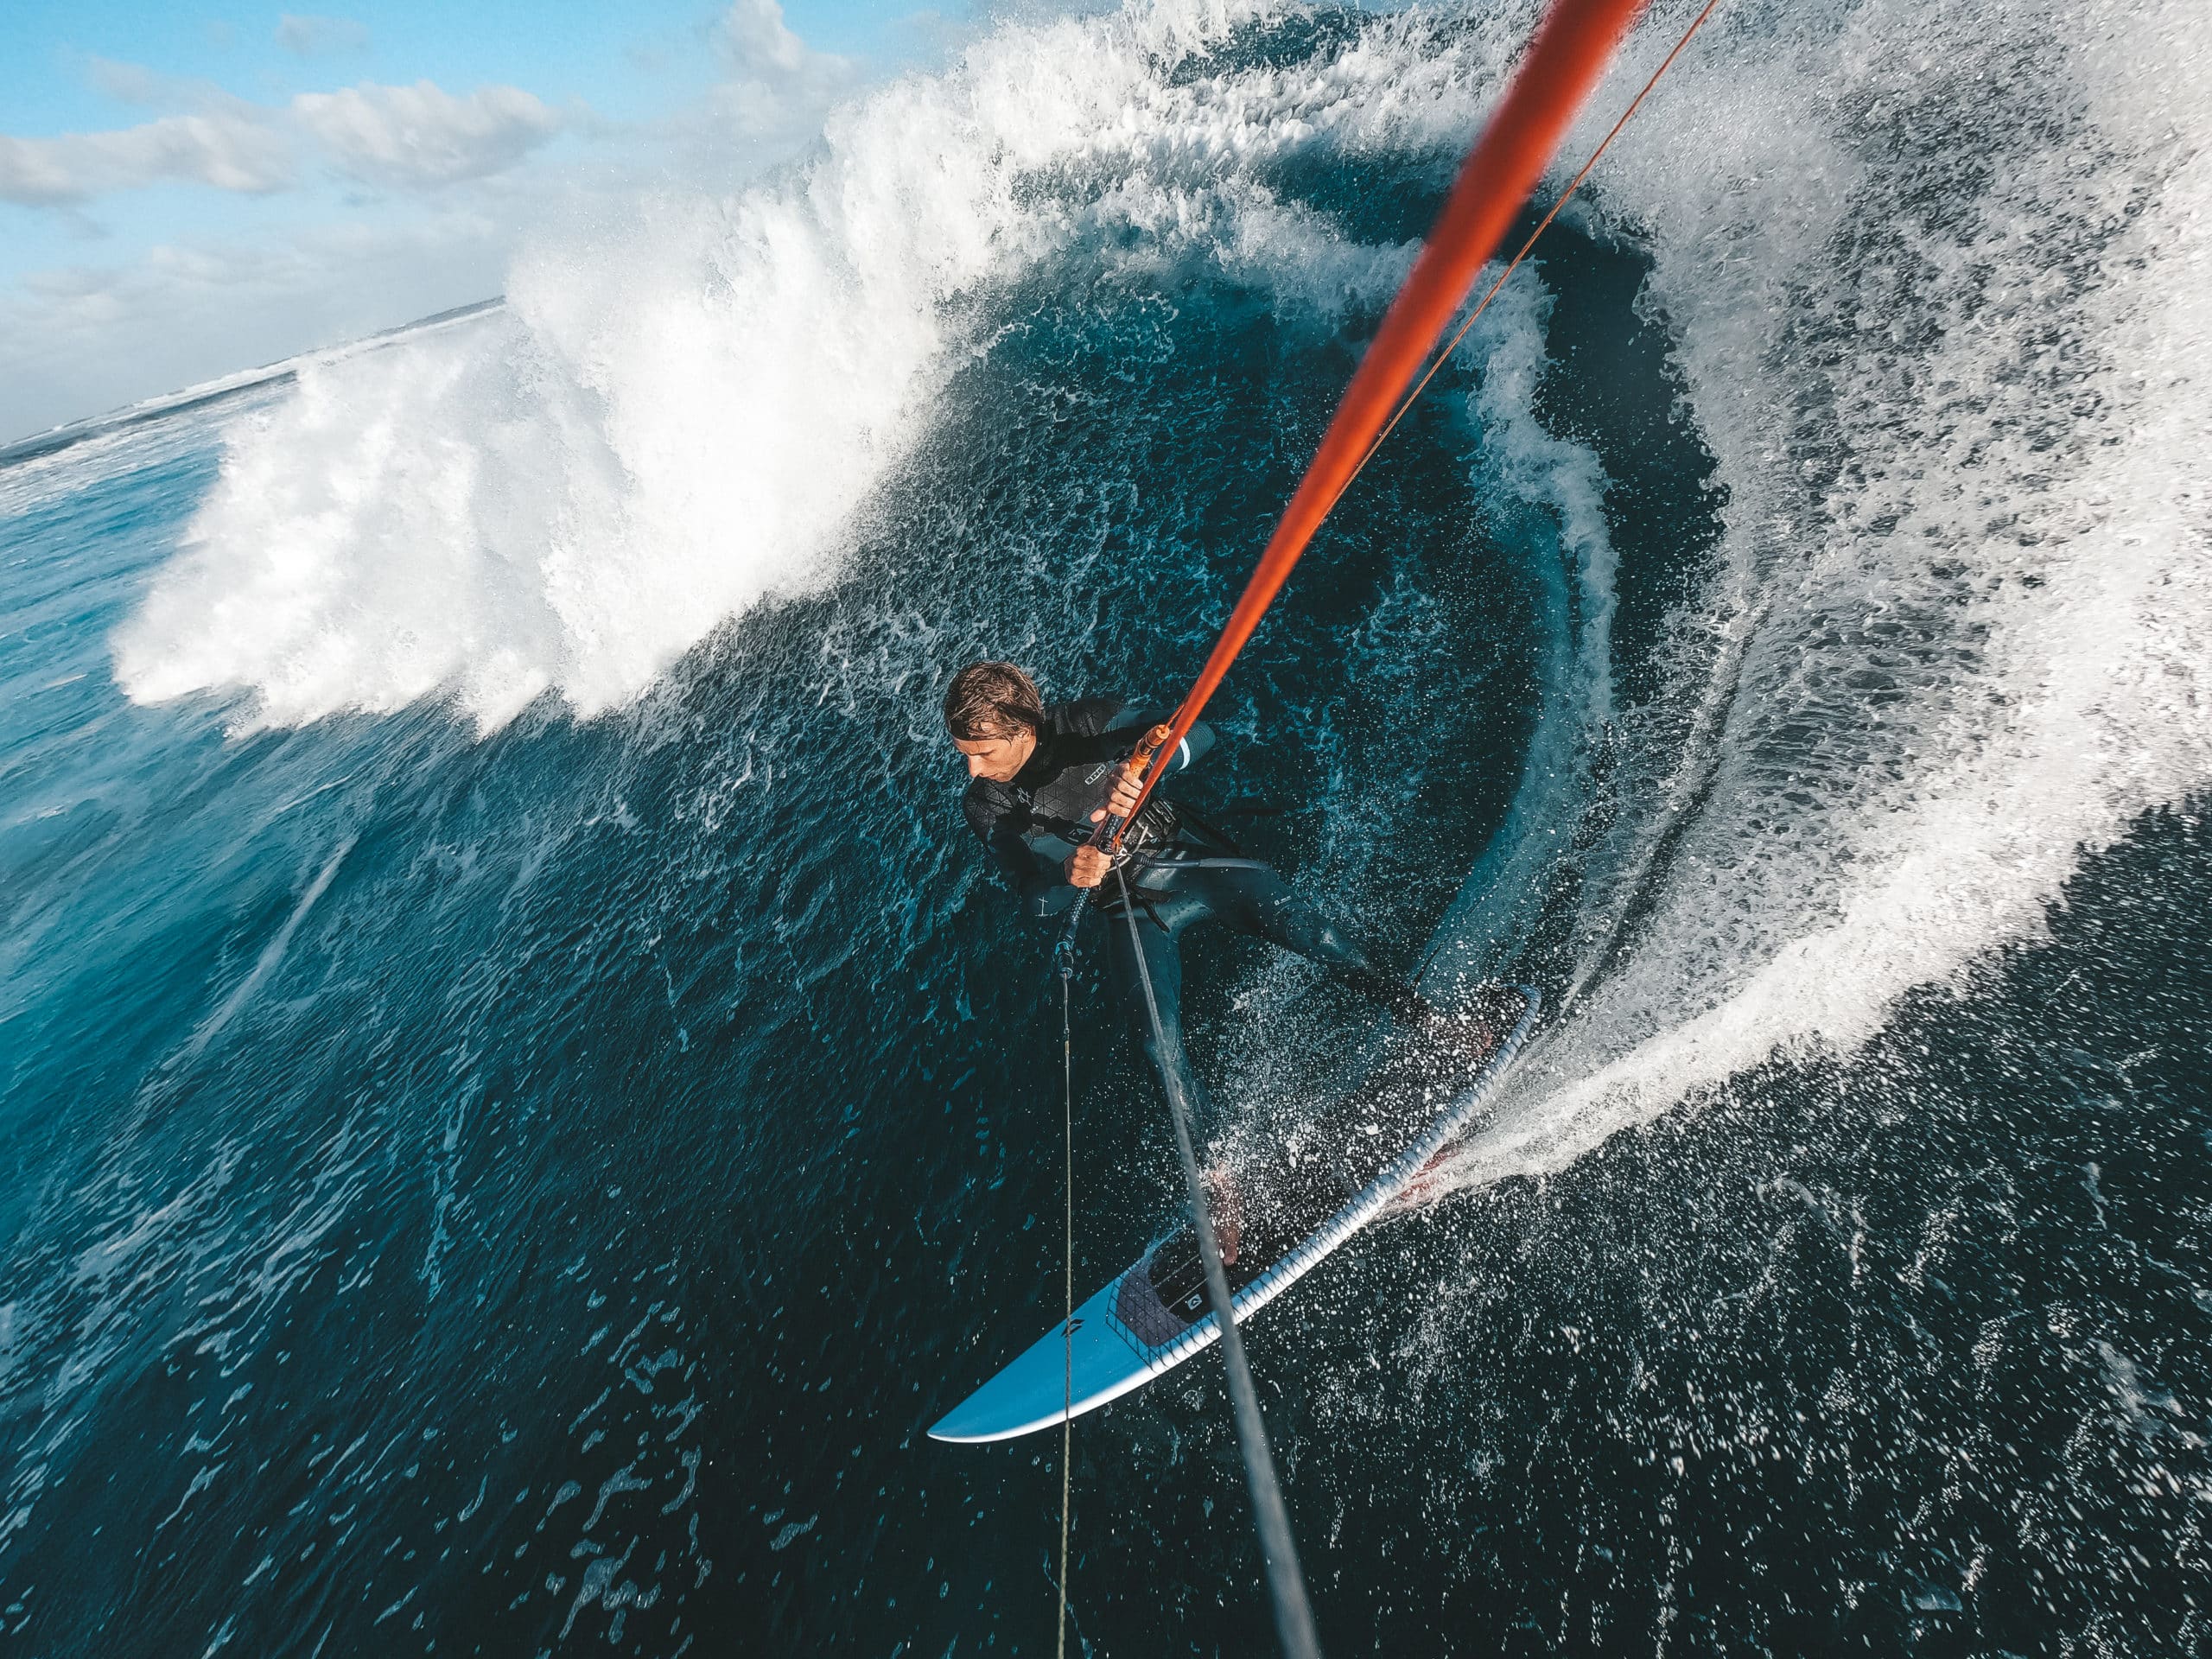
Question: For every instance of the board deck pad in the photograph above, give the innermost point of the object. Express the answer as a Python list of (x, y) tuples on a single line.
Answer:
[(1287, 1211)]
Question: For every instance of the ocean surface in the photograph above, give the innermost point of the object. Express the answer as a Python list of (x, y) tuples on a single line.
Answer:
[(520, 1103)]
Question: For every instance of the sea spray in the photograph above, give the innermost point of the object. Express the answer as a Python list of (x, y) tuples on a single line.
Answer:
[(1931, 291), (1919, 269), (653, 1097)]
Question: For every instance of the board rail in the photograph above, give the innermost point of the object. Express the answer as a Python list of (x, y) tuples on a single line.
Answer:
[(1009, 1404)]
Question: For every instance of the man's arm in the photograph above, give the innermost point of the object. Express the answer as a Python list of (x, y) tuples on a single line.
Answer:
[(1041, 886), (1088, 866), (1191, 750)]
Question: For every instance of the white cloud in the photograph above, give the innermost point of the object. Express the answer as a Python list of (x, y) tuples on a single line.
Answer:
[(307, 35), (80, 339), (421, 135), (182, 308), (761, 42), (130, 83), (777, 81), (228, 150), (394, 136)]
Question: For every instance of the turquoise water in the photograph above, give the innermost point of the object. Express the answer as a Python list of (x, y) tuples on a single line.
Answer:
[(523, 1104)]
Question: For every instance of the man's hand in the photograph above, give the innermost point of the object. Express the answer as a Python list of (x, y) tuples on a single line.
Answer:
[(1129, 784), (1087, 867)]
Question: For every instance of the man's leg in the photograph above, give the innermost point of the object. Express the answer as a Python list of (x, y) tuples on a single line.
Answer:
[(1159, 931), (1259, 902), (1156, 932)]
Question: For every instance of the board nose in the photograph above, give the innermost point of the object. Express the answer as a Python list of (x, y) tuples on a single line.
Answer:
[(1082, 1368)]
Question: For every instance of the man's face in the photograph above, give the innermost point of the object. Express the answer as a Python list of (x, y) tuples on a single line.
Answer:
[(997, 758)]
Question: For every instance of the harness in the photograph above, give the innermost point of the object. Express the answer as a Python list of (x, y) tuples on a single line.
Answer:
[(1135, 863)]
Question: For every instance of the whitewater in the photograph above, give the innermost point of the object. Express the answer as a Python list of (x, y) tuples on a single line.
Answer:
[(1782, 635), (678, 422)]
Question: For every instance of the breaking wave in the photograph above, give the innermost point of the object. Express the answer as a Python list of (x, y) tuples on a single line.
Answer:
[(1930, 277), (1934, 278)]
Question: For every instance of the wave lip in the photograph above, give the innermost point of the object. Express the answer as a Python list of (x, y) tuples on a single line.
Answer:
[(1922, 270), (1935, 298), (665, 426)]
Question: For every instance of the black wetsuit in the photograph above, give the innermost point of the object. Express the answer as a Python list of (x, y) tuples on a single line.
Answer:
[(1182, 871)]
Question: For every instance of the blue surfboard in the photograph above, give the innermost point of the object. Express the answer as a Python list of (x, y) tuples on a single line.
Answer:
[(1303, 1202)]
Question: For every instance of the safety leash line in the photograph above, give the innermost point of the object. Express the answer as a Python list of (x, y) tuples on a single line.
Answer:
[(1285, 1583), (1067, 1326)]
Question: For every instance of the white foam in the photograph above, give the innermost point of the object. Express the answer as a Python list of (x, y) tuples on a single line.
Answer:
[(675, 419), (1937, 282), (1935, 278)]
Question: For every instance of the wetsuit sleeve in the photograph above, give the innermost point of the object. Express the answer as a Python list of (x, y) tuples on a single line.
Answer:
[(1041, 886), (1192, 749)]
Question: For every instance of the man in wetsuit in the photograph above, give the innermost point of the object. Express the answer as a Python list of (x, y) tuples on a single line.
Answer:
[(1042, 777)]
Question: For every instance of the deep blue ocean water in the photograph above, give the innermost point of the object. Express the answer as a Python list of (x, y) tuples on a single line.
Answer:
[(516, 1168)]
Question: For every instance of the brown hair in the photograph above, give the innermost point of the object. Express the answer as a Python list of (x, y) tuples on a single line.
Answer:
[(992, 699)]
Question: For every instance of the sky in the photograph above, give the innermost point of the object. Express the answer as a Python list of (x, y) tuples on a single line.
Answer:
[(189, 191)]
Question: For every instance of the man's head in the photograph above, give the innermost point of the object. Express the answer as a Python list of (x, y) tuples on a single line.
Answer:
[(992, 711)]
